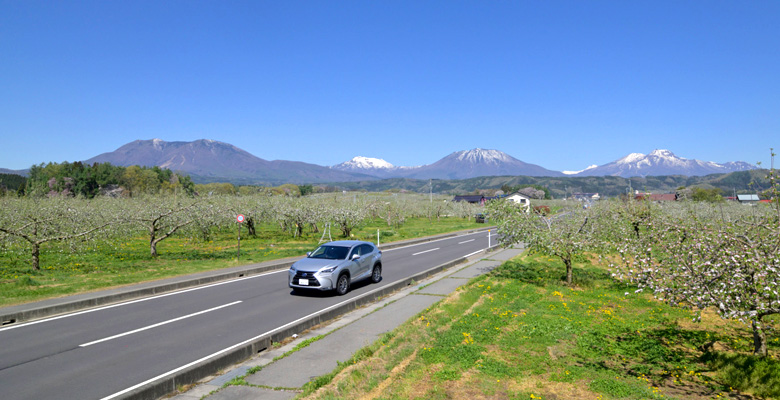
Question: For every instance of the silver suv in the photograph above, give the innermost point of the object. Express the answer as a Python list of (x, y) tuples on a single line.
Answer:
[(337, 265)]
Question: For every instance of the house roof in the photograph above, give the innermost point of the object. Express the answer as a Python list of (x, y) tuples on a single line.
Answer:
[(747, 197), (470, 198)]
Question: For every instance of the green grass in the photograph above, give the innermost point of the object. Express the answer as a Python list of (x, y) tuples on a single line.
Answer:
[(66, 271), (521, 333)]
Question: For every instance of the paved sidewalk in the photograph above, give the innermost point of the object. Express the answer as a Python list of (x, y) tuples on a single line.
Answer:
[(284, 378)]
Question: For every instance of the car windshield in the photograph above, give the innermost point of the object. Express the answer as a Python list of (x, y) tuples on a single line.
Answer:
[(330, 252)]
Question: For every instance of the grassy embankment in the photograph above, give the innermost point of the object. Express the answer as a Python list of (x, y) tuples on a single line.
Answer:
[(520, 333), (64, 272)]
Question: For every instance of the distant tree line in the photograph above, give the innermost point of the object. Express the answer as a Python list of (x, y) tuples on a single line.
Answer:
[(11, 184), (288, 189), (78, 179), (741, 182), (532, 191)]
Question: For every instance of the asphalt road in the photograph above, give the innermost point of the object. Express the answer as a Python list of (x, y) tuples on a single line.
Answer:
[(104, 352)]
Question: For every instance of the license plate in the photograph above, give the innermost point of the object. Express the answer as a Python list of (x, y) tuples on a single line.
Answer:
[(303, 282)]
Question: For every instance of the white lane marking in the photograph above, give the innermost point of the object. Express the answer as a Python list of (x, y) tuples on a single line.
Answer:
[(7, 328), (434, 241), (471, 254), (426, 251), (139, 300), (467, 241), (159, 324), (225, 350)]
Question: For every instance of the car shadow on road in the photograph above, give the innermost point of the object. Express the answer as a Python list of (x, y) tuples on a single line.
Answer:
[(314, 293)]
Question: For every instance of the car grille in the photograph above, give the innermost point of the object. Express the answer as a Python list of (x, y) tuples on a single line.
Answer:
[(306, 275)]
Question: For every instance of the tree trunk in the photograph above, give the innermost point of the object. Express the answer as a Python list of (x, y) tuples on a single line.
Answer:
[(153, 244), (759, 340), (250, 225), (36, 256), (567, 262)]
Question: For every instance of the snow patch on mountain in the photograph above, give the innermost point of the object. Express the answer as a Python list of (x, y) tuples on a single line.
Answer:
[(486, 156), (631, 158), (582, 170)]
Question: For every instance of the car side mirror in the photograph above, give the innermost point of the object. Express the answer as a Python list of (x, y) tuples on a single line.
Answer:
[(355, 257), (308, 254)]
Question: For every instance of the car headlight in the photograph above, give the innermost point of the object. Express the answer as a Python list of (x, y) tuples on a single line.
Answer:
[(327, 270)]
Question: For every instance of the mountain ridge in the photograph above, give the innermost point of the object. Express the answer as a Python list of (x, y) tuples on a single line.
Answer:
[(457, 165), (212, 161), (662, 162), (208, 160)]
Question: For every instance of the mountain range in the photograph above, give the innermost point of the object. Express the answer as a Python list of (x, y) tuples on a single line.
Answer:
[(458, 165), (662, 162), (480, 162), (213, 161)]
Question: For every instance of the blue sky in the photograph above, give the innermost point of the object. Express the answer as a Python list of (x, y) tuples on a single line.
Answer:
[(561, 84)]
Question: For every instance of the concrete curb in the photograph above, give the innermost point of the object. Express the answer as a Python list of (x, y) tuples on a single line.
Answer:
[(47, 308), (232, 356)]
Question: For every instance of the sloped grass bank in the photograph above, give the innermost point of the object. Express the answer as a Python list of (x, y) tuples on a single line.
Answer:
[(519, 333)]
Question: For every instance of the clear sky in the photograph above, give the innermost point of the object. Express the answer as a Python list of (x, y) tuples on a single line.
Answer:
[(561, 84)]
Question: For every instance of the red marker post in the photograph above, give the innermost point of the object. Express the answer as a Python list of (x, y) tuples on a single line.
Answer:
[(240, 220)]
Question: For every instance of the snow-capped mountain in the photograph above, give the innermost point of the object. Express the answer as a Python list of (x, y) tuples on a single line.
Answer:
[(367, 165), (662, 162), (478, 162), (458, 165), (362, 163)]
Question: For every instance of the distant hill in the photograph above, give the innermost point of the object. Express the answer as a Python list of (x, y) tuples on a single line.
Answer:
[(21, 172), (213, 161), (752, 181)]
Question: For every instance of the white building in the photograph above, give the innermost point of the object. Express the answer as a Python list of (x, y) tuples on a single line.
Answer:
[(520, 199)]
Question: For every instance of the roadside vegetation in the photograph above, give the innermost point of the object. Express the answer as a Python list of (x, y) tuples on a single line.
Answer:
[(521, 332), (619, 300)]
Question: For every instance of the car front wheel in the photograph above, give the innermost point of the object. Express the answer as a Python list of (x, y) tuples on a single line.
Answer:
[(342, 285), (376, 274)]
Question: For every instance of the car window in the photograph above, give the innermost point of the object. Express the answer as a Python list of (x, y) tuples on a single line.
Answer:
[(330, 252), (356, 250), (367, 249)]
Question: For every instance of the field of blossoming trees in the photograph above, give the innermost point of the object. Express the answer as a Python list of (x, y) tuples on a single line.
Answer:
[(695, 255), (58, 245)]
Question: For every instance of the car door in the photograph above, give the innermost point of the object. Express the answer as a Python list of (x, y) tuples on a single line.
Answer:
[(363, 262), (355, 268), (366, 260)]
